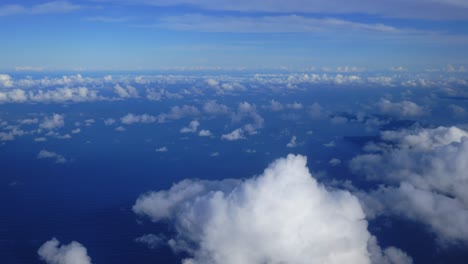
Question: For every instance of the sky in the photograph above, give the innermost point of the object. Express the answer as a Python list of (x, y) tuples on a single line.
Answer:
[(256, 34), (222, 132)]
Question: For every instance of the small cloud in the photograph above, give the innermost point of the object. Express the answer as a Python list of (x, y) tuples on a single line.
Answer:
[(234, 135), (330, 144), (53, 253), (162, 149), (204, 133), (214, 154), (292, 143), (334, 162), (44, 154), (152, 241), (192, 127)]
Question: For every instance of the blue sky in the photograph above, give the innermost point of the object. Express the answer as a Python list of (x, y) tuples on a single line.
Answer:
[(297, 34)]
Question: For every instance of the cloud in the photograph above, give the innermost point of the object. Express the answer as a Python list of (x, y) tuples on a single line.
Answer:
[(212, 107), (162, 149), (282, 216), (192, 127), (269, 24), (424, 178), (178, 112), (109, 121), (438, 9), (236, 134), (205, 133), (334, 162), (127, 92), (292, 143), (6, 81), (401, 109), (130, 119), (79, 94), (151, 240), (53, 253), (53, 7), (247, 110), (44, 154), (53, 122)]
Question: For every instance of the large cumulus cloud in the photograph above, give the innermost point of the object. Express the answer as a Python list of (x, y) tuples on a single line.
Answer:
[(282, 216), (425, 176)]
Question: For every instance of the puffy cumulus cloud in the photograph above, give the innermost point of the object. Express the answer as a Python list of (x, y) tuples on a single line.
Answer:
[(424, 172), (53, 253), (404, 108), (53, 122), (205, 133), (127, 92), (247, 110), (130, 119), (212, 107), (79, 94), (13, 96), (60, 95), (44, 154), (236, 134), (178, 112), (6, 81), (282, 216), (191, 128)]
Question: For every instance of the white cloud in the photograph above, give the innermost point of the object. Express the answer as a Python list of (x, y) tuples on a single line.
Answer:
[(205, 133), (151, 240), (178, 112), (6, 81), (424, 172), (438, 9), (53, 253), (109, 121), (295, 106), (44, 154), (334, 162), (278, 23), (275, 106), (403, 109), (132, 119), (247, 110), (162, 149), (127, 92), (283, 214), (120, 129), (79, 94), (236, 134), (212, 107), (292, 143), (53, 122), (192, 127)]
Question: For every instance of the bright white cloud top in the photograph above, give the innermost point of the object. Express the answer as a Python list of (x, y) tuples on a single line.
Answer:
[(282, 216)]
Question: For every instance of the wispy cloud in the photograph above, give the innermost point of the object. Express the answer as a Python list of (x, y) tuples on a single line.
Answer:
[(53, 7)]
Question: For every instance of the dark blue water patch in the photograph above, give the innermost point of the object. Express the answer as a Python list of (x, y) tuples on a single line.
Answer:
[(417, 240)]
